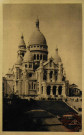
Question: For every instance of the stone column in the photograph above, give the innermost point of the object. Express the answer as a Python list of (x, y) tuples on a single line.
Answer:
[(23, 87), (48, 77), (14, 86), (44, 91), (26, 87), (39, 83), (53, 77), (19, 87), (57, 90), (51, 92), (63, 91)]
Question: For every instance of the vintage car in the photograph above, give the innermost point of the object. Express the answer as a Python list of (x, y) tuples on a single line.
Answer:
[(72, 121)]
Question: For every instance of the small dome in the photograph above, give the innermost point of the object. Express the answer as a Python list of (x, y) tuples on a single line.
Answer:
[(57, 58), (37, 37), (22, 42), (28, 56), (19, 60)]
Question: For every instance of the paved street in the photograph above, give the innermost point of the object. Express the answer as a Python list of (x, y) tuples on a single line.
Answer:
[(47, 121)]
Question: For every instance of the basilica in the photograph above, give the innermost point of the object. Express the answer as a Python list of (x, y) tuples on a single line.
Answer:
[(33, 74)]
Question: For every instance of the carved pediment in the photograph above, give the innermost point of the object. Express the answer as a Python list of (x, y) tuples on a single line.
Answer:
[(50, 64)]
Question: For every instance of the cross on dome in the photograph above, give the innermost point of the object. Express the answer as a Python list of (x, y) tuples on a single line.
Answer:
[(37, 23), (22, 37), (56, 48)]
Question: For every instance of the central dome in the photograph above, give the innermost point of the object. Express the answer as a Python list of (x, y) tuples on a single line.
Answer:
[(37, 37)]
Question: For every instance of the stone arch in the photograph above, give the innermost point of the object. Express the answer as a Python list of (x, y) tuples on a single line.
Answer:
[(37, 56), (34, 56), (45, 75), (60, 90), (48, 90), (41, 57), (54, 90)]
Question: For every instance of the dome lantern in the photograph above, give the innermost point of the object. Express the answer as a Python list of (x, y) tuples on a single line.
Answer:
[(37, 23), (56, 50)]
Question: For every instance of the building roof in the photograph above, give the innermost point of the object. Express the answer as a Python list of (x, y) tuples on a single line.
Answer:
[(37, 37), (28, 56)]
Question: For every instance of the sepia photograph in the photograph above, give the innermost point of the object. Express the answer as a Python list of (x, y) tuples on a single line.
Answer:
[(42, 67)]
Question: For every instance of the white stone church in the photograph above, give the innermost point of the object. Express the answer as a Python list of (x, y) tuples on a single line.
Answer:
[(34, 74)]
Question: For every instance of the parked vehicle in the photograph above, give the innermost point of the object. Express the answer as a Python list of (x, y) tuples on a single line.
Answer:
[(72, 121)]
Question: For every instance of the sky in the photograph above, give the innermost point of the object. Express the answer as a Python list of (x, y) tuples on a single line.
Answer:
[(61, 25)]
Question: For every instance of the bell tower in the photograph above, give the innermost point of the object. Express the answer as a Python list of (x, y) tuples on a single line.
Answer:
[(22, 47)]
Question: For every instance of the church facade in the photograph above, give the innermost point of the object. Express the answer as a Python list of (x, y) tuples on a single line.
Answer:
[(34, 74)]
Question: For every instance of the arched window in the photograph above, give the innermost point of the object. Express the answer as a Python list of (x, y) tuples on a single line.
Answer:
[(55, 72), (34, 56), (41, 57), (56, 78), (30, 65), (42, 89), (54, 90), (29, 86), (26, 65), (45, 75), (48, 90), (51, 73), (60, 90), (37, 56), (63, 79), (34, 86), (45, 57), (23, 54)]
